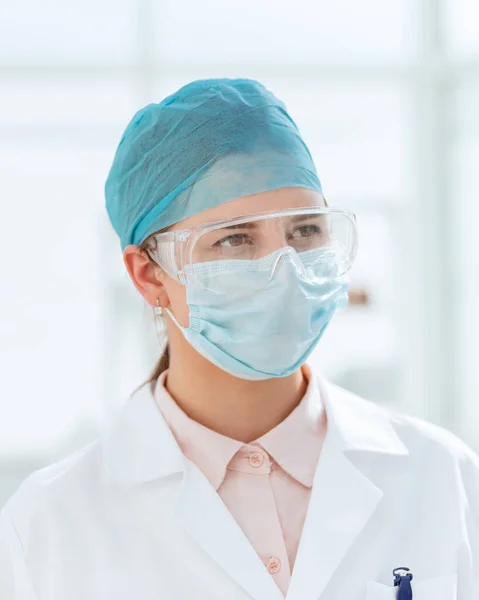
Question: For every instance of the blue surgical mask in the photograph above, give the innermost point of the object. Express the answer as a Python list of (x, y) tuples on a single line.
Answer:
[(266, 315)]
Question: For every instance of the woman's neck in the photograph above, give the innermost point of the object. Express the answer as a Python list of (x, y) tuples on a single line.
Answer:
[(237, 408)]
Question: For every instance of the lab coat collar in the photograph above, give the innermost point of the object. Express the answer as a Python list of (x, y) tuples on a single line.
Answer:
[(358, 424), (140, 447)]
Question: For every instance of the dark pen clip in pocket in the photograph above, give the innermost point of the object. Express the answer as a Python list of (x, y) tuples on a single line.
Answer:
[(402, 579)]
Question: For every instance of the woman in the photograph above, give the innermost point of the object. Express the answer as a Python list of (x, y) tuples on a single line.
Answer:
[(237, 472)]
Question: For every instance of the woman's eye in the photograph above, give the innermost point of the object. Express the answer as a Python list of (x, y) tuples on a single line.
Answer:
[(306, 231), (233, 241)]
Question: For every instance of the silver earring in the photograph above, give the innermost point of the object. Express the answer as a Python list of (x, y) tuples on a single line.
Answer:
[(159, 319), (157, 309)]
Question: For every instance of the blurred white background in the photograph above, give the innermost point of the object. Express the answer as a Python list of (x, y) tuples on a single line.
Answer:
[(386, 93)]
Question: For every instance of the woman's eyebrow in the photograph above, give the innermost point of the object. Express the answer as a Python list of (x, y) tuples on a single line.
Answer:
[(297, 218), (247, 225)]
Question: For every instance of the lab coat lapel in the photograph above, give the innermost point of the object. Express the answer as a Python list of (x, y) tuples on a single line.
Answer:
[(343, 499), (341, 503), (139, 447), (209, 523)]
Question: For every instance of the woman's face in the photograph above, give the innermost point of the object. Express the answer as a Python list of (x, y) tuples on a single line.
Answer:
[(154, 283)]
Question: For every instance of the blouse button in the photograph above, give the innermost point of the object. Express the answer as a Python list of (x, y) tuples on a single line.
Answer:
[(274, 565), (256, 459)]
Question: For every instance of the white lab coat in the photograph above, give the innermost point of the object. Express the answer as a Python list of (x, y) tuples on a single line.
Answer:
[(129, 518)]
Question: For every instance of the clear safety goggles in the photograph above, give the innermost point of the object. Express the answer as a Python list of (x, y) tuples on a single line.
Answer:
[(315, 239)]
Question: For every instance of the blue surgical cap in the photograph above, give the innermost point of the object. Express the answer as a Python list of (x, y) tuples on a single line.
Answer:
[(212, 141)]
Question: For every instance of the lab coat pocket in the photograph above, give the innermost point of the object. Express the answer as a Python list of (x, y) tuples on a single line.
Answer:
[(439, 588)]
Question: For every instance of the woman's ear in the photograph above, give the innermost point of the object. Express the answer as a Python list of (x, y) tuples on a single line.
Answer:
[(146, 275)]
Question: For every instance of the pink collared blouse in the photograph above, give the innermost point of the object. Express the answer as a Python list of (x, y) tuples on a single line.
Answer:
[(266, 484)]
